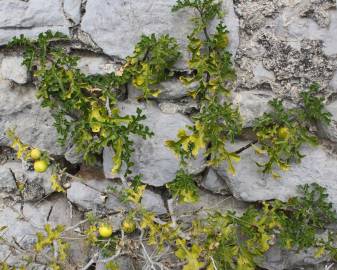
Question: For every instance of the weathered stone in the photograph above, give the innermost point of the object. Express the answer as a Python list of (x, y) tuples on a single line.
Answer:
[(276, 259), (90, 65), (7, 181), (208, 203), (36, 185), (152, 158), (330, 131), (214, 183), (23, 225), (73, 156), (181, 107), (261, 74), (254, 13), (13, 70), (84, 196), (249, 184), (153, 202), (294, 68), (94, 195), (116, 32), (252, 104), (33, 124), (308, 29), (14, 99), (30, 18), (317, 10), (72, 9)]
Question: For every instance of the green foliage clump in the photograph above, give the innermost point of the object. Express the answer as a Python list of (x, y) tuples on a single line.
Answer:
[(230, 241), (282, 132), (151, 63), (184, 188), (51, 240), (218, 122), (85, 107)]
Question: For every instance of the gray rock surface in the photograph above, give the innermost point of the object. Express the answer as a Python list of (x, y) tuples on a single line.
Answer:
[(276, 259), (36, 185), (23, 225), (153, 202), (13, 70), (30, 18), (85, 197), (90, 65), (318, 165), (214, 183), (330, 131), (7, 181), (252, 104), (152, 158), (20, 109), (130, 19), (93, 195), (72, 10)]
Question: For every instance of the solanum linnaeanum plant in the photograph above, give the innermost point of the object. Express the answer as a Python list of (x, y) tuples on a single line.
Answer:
[(282, 132), (218, 121), (85, 107)]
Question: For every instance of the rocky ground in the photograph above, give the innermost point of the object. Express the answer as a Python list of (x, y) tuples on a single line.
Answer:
[(279, 47)]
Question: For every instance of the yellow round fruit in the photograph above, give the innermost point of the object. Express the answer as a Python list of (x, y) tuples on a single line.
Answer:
[(128, 225), (105, 231), (40, 166), (283, 133), (35, 154), (95, 127)]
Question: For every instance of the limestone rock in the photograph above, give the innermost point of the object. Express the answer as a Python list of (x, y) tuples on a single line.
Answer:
[(83, 196), (33, 124), (184, 106), (305, 28), (152, 158), (209, 203), (72, 9), (31, 18), (153, 202), (7, 181), (91, 65), (13, 70), (36, 185), (330, 131), (15, 99), (92, 195), (252, 104), (276, 259), (24, 225), (214, 183), (116, 26), (249, 184)]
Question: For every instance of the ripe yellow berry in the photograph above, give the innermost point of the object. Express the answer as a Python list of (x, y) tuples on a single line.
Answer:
[(35, 154), (105, 230), (128, 225), (283, 133), (40, 166)]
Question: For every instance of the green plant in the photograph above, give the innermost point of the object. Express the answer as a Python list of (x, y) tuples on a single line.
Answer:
[(151, 63), (230, 241), (84, 107), (183, 187), (282, 132), (52, 242), (218, 122)]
